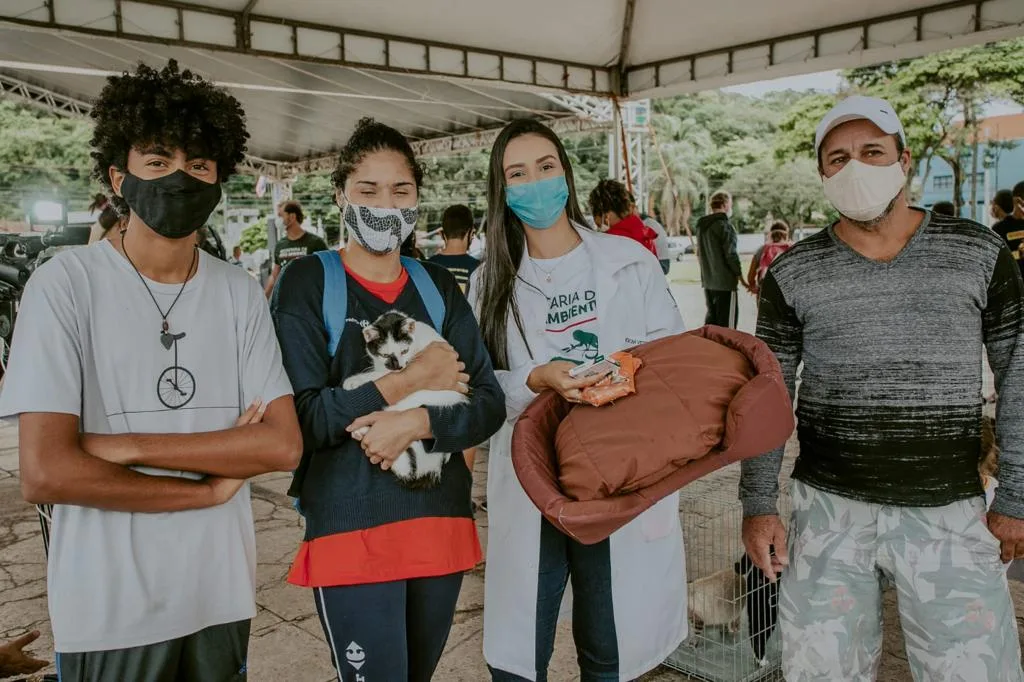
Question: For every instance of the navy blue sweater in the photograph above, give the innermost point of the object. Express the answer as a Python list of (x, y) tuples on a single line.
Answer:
[(339, 489)]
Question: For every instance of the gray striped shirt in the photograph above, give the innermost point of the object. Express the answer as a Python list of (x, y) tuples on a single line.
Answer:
[(890, 398)]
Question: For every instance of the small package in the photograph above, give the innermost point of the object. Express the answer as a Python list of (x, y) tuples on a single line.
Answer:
[(618, 384), (598, 367)]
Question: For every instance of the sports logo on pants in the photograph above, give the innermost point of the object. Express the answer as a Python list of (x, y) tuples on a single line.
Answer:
[(355, 655)]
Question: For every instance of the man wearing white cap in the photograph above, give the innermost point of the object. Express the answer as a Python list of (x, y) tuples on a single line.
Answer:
[(889, 310)]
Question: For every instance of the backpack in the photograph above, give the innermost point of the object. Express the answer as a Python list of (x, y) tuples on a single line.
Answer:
[(335, 301), (335, 311), (768, 256)]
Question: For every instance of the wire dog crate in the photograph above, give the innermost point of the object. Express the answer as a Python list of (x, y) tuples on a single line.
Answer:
[(732, 633)]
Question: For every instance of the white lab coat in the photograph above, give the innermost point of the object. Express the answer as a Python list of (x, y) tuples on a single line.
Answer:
[(634, 305)]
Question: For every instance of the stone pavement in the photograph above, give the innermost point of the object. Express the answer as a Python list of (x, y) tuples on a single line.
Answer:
[(287, 643)]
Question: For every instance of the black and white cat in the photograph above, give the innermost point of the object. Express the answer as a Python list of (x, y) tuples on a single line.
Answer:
[(392, 341)]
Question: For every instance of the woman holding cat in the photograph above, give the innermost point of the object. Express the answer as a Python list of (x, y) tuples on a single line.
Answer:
[(552, 294), (385, 559)]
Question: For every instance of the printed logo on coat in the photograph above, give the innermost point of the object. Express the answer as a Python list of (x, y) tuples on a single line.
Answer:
[(572, 320), (566, 311)]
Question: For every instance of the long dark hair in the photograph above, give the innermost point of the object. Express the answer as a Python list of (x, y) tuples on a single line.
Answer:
[(506, 241)]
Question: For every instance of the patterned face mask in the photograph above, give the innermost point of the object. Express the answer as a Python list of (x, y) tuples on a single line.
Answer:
[(380, 230)]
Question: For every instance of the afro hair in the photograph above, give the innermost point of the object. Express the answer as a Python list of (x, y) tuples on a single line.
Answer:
[(610, 196), (172, 108)]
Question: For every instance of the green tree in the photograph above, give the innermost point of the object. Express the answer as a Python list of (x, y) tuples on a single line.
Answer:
[(315, 192), (941, 97), (455, 179), (254, 236), (790, 191), (676, 166), (795, 134), (42, 155)]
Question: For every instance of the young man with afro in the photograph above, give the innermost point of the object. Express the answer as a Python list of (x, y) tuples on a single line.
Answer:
[(148, 383)]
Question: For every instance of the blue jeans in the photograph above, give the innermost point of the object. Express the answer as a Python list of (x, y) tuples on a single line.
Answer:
[(593, 617), (388, 631)]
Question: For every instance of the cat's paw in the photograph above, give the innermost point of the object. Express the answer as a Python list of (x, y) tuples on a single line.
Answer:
[(359, 433)]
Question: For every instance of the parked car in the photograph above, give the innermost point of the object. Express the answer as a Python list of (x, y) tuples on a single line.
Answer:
[(678, 246)]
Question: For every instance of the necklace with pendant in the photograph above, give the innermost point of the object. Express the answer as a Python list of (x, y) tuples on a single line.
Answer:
[(167, 339), (547, 274)]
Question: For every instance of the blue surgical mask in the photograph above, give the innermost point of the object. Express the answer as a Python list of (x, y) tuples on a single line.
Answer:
[(538, 204)]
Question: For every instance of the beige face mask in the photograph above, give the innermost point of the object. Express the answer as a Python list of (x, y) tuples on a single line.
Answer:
[(862, 192)]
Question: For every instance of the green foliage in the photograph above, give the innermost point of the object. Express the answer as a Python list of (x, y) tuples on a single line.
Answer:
[(42, 155), (448, 180), (940, 98), (254, 236), (706, 141), (790, 191), (795, 136), (316, 194), (725, 116)]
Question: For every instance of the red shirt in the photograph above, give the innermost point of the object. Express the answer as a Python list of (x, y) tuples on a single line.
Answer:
[(415, 548), (632, 227)]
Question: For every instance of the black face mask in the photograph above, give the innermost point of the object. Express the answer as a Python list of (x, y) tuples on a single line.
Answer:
[(174, 206)]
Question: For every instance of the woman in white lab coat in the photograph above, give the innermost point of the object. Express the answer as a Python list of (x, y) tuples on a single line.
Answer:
[(552, 294)]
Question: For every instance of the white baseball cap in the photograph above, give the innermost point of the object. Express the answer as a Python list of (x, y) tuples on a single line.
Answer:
[(876, 110)]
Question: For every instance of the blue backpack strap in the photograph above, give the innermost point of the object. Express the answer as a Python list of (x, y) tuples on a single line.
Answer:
[(335, 301), (427, 290)]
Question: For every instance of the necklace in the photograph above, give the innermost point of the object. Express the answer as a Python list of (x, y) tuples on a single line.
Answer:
[(549, 273), (166, 338)]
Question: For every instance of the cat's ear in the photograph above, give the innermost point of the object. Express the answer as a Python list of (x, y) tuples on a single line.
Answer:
[(371, 333), (409, 326)]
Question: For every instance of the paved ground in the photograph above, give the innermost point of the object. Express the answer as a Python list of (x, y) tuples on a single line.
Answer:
[(287, 643)]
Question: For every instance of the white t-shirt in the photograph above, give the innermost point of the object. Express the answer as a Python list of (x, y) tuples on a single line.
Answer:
[(570, 328), (87, 342)]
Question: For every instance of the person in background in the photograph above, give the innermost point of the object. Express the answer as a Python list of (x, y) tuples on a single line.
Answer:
[(614, 212), (1011, 227), (148, 385), (886, 485), (1002, 205), (661, 246), (457, 229), (409, 249), (720, 269), (236, 255), (476, 245), (15, 661), (107, 219), (385, 561), (778, 243), (946, 208), (295, 243), (550, 295)]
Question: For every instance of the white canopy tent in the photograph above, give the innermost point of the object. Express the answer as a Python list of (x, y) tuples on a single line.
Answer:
[(449, 73)]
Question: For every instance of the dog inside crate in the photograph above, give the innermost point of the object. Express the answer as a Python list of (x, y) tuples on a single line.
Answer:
[(732, 606)]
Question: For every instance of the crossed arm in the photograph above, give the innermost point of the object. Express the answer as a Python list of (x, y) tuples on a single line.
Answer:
[(59, 465)]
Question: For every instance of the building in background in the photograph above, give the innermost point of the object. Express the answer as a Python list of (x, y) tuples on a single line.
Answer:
[(1000, 166), (236, 220)]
